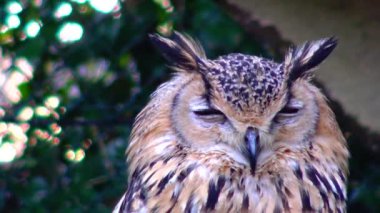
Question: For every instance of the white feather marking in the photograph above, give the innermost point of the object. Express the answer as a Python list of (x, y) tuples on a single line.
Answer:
[(177, 190), (293, 164), (203, 172), (161, 143), (332, 185), (232, 153)]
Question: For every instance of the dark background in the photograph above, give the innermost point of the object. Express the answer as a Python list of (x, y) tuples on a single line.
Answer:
[(67, 106)]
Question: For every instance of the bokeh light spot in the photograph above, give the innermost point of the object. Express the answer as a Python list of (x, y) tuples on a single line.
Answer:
[(24, 126), (104, 6), (42, 111), (165, 4), (7, 152), (13, 21), (4, 29), (55, 128), (14, 7), (70, 32), (87, 143), (55, 141), (79, 1), (3, 129), (52, 102), (42, 134), (75, 156), (17, 133), (25, 67), (2, 112), (32, 28), (165, 28), (70, 155), (79, 155), (25, 114), (63, 9), (37, 3)]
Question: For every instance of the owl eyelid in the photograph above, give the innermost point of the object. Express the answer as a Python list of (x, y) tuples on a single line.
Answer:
[(292, 107), (208, 112), (210, 115), (289, 110)]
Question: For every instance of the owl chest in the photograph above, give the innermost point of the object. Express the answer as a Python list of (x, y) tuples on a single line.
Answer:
[(183, 184)]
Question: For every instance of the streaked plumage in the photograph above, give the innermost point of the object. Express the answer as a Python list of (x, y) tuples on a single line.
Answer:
[(236, 134)]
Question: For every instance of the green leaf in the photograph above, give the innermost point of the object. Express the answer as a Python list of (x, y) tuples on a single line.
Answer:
[(24, 89)]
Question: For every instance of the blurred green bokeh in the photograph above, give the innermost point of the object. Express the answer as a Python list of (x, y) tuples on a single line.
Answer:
[(74, 73)]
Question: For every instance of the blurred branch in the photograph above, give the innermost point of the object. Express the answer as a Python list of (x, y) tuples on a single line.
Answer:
[(97, 180)]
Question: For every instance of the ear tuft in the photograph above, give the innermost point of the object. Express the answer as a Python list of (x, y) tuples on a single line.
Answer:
[(299, 62), (179, 50)]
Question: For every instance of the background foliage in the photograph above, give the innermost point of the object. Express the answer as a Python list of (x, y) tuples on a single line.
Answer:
[(73, 80)]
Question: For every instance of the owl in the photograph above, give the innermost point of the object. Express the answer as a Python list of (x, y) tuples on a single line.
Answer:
[(239, 133)]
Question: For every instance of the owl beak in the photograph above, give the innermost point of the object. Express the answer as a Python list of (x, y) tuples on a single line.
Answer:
[(252, 143)]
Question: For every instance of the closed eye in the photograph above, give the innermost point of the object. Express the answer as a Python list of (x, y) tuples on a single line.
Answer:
[(292, 107), (209, 111), (289, 110), (210, 115)]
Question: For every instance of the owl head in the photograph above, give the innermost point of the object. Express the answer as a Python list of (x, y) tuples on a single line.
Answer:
[(247, 104)]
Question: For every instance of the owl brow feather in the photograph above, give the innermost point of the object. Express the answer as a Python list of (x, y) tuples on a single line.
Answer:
[(299, 62), (184, 53), (189, 44)]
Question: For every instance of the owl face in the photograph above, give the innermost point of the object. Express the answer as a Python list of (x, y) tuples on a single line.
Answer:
[(243, 103)]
